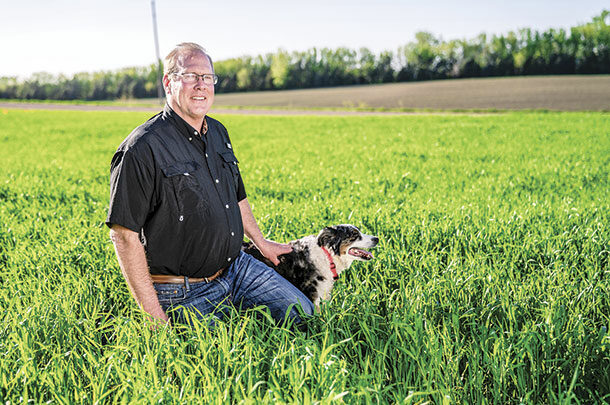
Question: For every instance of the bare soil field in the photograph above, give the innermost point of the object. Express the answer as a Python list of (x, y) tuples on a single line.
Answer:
[(561, 93), (566, 93)]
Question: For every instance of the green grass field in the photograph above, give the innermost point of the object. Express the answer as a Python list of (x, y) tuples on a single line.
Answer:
[(491, 283)]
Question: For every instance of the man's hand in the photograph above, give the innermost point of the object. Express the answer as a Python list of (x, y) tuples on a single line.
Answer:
[(271, 250)]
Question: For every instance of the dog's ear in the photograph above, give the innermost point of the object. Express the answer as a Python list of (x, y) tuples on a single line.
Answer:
[(330, 237), (326, 236)]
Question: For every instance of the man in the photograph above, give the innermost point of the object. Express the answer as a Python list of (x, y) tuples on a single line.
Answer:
[(178, 209)]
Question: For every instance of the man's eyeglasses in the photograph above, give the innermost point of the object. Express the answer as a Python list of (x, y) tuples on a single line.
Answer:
[(193, 77)]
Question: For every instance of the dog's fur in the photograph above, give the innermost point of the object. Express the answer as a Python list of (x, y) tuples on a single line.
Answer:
[(308, 267)]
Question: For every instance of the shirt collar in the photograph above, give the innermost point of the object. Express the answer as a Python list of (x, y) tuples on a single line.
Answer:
[(184, 127)]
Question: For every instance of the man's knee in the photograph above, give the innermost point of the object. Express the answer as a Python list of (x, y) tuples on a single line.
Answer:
[(301, 310), (308, 307)]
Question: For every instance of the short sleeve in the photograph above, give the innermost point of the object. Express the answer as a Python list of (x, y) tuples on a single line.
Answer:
[(131, 190), (241, 189)]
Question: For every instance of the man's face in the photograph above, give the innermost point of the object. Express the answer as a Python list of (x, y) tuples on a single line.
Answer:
[(191, 101)]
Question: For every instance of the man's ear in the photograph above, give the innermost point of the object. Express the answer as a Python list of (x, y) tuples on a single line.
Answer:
[(166, 84)]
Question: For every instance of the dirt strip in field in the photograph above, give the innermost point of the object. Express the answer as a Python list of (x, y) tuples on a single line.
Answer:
[(482, 95), (561, 93), (85, 107)]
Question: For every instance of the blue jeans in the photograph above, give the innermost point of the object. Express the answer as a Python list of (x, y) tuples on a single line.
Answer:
[(247, 283)]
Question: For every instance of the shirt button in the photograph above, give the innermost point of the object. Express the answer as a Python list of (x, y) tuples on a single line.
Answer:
[(229, 259), (181, 218), (217, 181), (190, 139), (206, 155), (227, 206), (232, 233), (195, 133)]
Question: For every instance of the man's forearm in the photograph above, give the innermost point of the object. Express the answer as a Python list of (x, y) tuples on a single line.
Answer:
[(251, 228), (132, 259), (271, 250)]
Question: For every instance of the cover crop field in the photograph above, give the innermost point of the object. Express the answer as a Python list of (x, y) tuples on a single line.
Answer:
[(491, 282)]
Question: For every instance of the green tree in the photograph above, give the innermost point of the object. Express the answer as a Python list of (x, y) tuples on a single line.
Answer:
[(592, 42), (422, 55), (280, 69), (8, 87)]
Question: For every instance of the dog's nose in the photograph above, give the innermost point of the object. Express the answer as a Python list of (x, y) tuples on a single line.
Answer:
[(375, 239)]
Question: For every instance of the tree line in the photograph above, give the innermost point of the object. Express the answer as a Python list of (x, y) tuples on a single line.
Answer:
[(584, 49)]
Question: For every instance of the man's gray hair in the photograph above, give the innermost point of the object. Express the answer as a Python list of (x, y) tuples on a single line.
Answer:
[(179, 53)]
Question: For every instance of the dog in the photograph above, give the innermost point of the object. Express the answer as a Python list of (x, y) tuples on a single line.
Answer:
[(317, 260)]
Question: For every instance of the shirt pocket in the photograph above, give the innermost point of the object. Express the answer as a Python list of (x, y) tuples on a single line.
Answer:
[(184, 187), (229, 163)]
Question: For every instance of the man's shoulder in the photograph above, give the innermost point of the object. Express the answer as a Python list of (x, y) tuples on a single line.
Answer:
[(216, 127), (145, 135), (215, 124)]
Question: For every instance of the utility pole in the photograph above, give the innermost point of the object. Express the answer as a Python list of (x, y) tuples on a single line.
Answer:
[(159, 72)]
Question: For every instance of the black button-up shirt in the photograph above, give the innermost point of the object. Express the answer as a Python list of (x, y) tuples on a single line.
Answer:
[(179, 190)]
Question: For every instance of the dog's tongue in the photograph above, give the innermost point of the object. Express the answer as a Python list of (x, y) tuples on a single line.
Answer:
[(361, 253)]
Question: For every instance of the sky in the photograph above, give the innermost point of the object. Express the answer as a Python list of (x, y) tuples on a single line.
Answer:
[(66, 37)]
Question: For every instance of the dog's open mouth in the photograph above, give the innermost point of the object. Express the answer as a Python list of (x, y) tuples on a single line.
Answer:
[(360, 253)]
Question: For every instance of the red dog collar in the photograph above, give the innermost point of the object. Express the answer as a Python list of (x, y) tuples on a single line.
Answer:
[(333, 268)]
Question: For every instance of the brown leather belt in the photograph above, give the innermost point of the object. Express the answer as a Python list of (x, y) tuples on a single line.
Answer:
[(165, 279)]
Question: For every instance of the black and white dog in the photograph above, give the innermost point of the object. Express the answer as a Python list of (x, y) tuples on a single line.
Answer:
[(317, 260)]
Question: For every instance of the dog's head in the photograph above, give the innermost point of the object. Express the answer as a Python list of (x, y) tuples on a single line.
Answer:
[(347, 242)]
